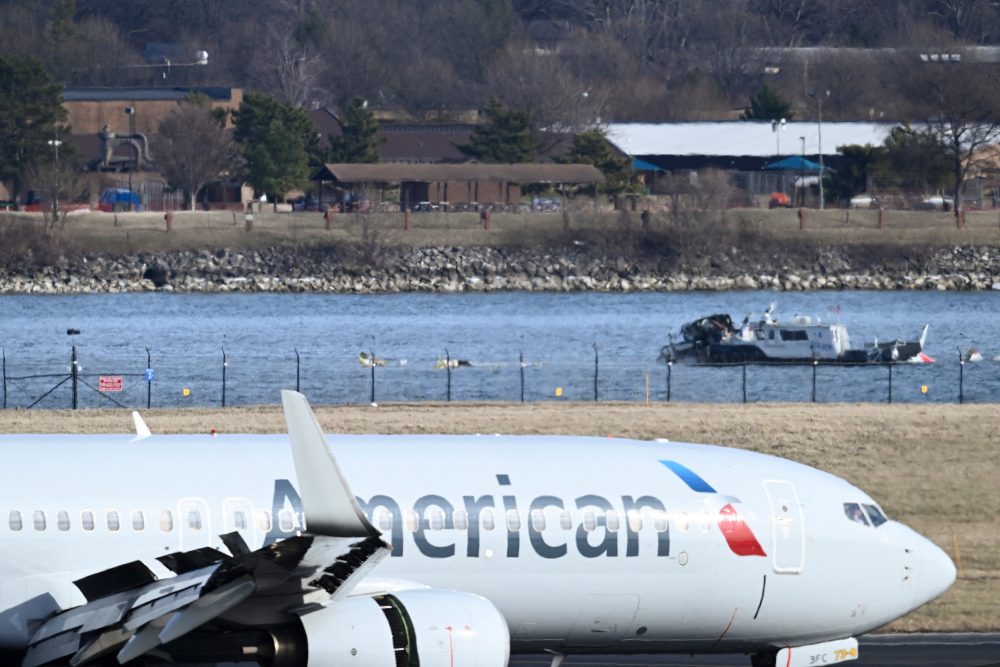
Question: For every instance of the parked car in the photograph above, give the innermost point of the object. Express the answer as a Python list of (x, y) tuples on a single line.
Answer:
[(779, 200), (936, 203), (864, 201)]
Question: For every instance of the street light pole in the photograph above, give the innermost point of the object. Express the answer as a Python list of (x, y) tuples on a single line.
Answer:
[(819, 136), (802, 174), (130, 112), (55, 143)]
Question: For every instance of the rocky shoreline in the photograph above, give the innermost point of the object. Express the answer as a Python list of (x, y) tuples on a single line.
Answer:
[(485, 269)]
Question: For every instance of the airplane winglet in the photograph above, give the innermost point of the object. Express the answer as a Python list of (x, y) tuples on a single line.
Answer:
[(329, 505), (141, 430)]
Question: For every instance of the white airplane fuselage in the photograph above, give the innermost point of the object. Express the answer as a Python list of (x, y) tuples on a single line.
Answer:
[(583, 544)]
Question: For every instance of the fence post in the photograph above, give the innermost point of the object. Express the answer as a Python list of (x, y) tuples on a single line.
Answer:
[(596, 368), (961, 378), (74, 372), (447, 367), (744, 382), (5, 379), (149, 379), (522, 375), (298, 370), (890, 383), (815, 363), (373, 376), (225, 364), (670, 368)]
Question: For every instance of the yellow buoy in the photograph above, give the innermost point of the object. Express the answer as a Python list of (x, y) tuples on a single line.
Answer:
[(923, 389), (558, 391), (186, 391)]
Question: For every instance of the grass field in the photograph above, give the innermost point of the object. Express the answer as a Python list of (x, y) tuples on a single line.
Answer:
[(137, 232), (934, 467)]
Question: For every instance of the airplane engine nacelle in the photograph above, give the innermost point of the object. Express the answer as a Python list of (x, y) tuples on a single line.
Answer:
[(440, 628)]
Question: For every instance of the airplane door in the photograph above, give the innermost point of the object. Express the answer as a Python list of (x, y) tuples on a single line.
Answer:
[(195, 523), (237, 516), (788, 532)]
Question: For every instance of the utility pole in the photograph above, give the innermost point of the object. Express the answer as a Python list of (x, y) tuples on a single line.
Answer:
[(56, 143)]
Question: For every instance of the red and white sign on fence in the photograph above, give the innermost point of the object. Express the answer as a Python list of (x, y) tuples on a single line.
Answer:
[(110, 383)]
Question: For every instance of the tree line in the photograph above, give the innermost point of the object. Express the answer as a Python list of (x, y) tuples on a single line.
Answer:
[(565, 61)]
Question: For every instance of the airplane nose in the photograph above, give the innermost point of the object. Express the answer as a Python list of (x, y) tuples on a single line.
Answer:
[(935, 573)]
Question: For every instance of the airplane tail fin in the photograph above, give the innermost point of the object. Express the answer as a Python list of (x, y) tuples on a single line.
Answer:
[(329, 505)]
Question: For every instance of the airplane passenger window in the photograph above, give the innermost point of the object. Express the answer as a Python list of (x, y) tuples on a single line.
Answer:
[(682, 521), (461, 520), (263, 521), (435, 518), (566, 520), (589, 520), (166, 521), (194, 520), (14, 520), (488, 521), (854, 513), (383, 519), (286, 521), (239, 520), (875, 514), (612, 521), (634, 518), (39, 519), (138, 520), (537, 520), (87, 520), (412, 521), (660, 521), (513, 520), (62, 520), (113, 521)]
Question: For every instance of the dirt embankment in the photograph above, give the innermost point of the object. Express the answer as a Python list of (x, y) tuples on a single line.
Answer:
[(934, 467)]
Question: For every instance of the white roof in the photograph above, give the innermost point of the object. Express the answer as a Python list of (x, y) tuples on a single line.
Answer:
[(742, 138)]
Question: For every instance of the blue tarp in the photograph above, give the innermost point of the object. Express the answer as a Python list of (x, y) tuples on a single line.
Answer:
[(793, 163), (642, 165)]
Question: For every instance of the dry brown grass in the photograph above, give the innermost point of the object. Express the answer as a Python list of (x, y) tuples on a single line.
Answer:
[(931, 466), (135, 232)]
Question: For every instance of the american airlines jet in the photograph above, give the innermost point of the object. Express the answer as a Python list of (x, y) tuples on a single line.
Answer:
[(436, 551)]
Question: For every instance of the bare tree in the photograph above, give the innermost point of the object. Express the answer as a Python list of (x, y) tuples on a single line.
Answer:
[(192, 149), (959, 106)]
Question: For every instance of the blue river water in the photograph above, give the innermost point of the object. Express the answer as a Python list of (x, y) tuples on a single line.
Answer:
[(260, 335)]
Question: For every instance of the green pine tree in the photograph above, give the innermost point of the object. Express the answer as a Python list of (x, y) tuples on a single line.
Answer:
[(506, 137), (359, 138), (275, 138), (592, 147), (768, 104), (31, 115)]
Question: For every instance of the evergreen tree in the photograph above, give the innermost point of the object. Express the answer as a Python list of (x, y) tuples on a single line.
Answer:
[(911, 159), (507, 136), (275, 138), (768, 104), (359, 140), (592, 147), (31, 115), (851, 178)]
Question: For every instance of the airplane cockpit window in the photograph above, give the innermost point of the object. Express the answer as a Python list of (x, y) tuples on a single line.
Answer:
[(166, 521), (39, 520), (114, 523), (854, 513), (62, 520), (875, 514), (138, 520), (87, 520), (14, 520)]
